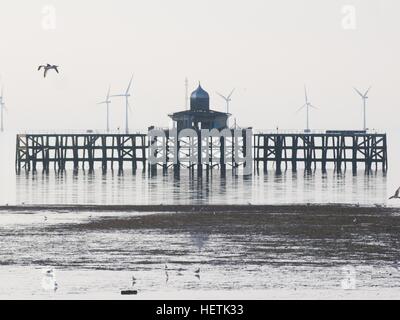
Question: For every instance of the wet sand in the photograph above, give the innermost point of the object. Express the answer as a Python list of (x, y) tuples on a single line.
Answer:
[(249, 208), (285, 251)]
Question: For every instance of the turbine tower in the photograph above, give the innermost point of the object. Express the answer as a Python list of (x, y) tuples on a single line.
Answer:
[(2, 108), (227, 100), (364, 97), (126, 95), (107, 103), (307, 105)]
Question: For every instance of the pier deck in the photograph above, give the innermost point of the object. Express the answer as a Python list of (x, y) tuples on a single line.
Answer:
[(279, 151)]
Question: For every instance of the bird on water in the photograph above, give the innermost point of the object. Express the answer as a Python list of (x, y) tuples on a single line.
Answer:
[(47, 68), (396, 195)]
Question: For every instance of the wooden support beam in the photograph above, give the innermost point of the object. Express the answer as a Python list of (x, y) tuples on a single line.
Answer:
[(66, 151)]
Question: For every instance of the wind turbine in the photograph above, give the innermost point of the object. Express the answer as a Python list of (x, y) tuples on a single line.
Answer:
[(2, 108), (364, 97), (307, 105), (227, 100), (107, 103), (126, 95)]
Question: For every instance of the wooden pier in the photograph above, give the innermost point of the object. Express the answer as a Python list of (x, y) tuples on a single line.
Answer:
[(203, 153), (80, 151), (277, 151), (339, 148)]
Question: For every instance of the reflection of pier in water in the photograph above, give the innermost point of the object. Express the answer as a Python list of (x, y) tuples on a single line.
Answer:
[(280, 150)]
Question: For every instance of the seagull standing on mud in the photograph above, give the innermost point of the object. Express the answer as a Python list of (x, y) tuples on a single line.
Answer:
[(396, 195), (166, 274), (49, 282), (47, 68), (197, 273)]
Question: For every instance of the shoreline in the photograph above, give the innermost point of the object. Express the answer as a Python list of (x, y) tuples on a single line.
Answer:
[(284, 208)]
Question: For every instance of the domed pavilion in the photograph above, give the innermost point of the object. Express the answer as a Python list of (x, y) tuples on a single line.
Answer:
[(200, 116)]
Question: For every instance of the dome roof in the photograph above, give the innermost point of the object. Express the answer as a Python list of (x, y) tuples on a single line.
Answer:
[(200, 93), (199, 100)]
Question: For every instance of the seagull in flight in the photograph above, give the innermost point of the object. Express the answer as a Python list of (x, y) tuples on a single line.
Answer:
[(47, 68), (396, 194)]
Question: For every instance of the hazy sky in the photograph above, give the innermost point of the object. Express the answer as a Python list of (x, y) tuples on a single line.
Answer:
[(266, 49)]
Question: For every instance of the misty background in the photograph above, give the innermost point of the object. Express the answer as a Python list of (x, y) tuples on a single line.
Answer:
[(267, 50)]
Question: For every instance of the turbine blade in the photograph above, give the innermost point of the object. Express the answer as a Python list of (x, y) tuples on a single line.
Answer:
[(301, 108), (366, 92), (305, 94), (222, 96), (230, 95), (129, 86), (361, 95), (108, 93), (118, 95), (313, 106)]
